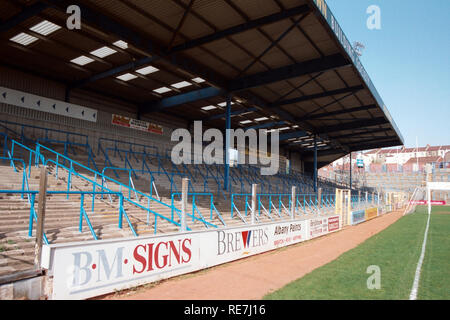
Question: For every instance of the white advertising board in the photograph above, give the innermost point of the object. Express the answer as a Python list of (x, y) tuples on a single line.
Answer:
[(87, 269), (320, 226)]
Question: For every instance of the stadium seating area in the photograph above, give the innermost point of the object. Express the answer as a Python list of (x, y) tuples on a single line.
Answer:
[(125, 189)]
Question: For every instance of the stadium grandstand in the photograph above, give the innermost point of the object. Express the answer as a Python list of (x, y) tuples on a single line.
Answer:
[(401, 169), (97, 106)]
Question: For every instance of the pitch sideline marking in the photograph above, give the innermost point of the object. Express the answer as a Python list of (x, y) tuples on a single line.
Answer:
[(414, 290)]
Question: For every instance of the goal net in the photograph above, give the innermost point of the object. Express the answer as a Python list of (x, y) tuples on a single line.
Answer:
[(419, 196), (423, 195)]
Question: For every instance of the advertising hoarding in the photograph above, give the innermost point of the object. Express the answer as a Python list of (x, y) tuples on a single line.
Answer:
[(358, 216), (371, 213), (87, 269), (127, 122)]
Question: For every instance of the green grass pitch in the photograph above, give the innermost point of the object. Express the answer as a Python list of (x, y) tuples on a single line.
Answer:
[(395, 251)]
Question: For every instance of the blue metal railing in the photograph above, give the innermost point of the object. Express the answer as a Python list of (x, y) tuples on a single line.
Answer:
[(83, 214), (25, 139), (272, 198), (195, 208), (281, 204), (101, 141), (74, 166), (68, 143), (25, 185)]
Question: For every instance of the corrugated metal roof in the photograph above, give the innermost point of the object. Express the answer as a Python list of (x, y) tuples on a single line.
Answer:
[(156, 26)]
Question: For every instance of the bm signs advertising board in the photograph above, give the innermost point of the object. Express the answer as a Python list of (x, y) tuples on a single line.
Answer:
[(92, 268)]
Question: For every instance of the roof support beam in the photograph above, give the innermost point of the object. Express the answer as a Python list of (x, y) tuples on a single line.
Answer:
[(337, 112), (187, 97), (266, 125), (373, 139), (233, 113), (180, 24), (354, 125), (325, 152), (358, 134), (114, 71), (200, 41), (389, 143), (242, 28), (316, 96), (294, 134), (287, 72), (106, 24), (259, 79), (273, 44)]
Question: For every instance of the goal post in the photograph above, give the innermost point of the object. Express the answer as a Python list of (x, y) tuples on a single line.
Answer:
[(422, 195), (417, 196), (432, 186)]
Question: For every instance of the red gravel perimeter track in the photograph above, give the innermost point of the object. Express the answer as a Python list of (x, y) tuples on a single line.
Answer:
[(252, 278)]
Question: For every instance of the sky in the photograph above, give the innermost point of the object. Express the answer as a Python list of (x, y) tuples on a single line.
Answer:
[(408, 61)]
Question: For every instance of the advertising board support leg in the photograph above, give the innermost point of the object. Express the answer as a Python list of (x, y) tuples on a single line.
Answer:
[(367, 199), (226, 175), (349, 207), (253, 211), (338, 203), (319, 199), (315, 164), (293, 197), (359, 199), (184, 195), (344, 207)]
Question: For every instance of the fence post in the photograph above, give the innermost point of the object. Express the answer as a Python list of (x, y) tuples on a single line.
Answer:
[(184, 195), (40, 216), (337, 202), (359, 199), (254, 199), (319, 198), (367, 199), (349, 209), (293, 202)]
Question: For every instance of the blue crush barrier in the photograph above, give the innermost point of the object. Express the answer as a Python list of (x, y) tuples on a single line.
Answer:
[(74, 166), (196, 210), (83, 214)]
